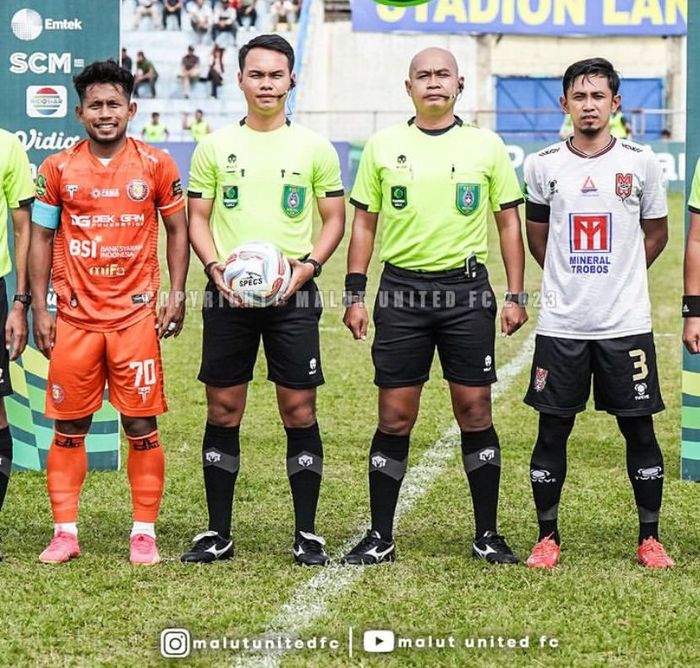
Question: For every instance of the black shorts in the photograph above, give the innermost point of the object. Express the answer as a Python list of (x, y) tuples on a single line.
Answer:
[(289, 332), (625, 378), (415, 312), (5, 384)]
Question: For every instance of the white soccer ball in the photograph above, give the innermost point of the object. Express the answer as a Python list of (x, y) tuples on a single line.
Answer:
[(258, 274)]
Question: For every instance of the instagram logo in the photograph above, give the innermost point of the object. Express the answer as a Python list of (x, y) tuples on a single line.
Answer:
[(175, 643)]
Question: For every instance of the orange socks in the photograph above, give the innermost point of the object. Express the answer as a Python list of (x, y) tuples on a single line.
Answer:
[(66, 467), (146, 472)]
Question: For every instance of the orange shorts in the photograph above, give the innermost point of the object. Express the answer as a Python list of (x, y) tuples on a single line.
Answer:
[(127, 359)]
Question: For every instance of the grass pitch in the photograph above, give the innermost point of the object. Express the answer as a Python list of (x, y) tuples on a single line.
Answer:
[(598, 604)]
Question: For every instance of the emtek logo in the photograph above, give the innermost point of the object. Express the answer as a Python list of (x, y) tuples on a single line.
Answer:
[(27, 24), (47, 101)]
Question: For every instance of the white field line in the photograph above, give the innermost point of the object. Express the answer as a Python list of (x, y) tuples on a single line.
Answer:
[(310, 601)]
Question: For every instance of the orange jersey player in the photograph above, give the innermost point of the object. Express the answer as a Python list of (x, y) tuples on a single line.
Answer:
[(95, 226)]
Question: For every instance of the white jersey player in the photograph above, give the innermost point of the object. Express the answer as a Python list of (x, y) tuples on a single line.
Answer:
[(596, 219)]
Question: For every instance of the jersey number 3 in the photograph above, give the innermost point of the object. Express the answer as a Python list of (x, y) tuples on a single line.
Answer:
[(640, 364)]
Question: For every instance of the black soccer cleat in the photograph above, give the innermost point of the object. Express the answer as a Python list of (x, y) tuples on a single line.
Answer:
[(308, 549), (372, 549), (493, 548), (208, 547)]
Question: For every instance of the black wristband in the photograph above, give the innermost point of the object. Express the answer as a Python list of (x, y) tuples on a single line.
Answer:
[(208, 266), (355, 282), (691, 306)]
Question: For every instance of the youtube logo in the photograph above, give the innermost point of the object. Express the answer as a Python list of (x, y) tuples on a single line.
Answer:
[(378, 641)]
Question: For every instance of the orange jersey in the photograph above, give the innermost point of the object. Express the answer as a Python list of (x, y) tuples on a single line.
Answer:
[(105, 253)]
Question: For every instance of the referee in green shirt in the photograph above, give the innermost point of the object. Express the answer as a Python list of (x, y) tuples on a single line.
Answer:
[(257, 180), (435, 181), (17, 194)]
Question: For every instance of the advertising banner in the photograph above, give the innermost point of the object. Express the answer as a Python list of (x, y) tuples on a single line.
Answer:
[(525, 17), (42, 46)]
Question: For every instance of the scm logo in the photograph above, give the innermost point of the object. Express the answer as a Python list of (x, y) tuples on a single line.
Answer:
[(40, 62)]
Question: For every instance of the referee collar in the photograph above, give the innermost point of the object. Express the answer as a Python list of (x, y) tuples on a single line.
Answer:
[(287, 122), (441, 131)]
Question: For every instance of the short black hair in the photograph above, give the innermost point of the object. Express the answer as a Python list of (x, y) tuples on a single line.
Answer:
[(105, 71), (592, 67), (271, 42)]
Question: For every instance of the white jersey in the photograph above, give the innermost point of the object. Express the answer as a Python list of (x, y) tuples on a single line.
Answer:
[(594, 284)]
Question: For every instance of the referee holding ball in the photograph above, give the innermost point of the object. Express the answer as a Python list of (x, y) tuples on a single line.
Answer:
[(434, 179), (257, 181)]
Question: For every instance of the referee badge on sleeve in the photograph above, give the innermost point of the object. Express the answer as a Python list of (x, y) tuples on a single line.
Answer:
[(293, 198), (399, 197), (467, 199), (230, 197)]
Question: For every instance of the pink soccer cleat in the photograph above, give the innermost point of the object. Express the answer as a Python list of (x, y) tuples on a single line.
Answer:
[(63, 547), (143, 550)]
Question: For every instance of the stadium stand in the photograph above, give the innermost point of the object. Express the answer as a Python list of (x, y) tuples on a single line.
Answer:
[(165, 49)]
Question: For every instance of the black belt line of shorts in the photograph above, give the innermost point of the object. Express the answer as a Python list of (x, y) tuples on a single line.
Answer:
[(448, 273)]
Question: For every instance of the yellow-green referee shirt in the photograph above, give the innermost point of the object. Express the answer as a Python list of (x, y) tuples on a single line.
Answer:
[(694, 199), (17, 188), (434, 191), (263, 185)]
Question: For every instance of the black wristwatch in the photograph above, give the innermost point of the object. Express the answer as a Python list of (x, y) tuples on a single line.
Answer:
[(519, 298), (23, 298), (318, 267)]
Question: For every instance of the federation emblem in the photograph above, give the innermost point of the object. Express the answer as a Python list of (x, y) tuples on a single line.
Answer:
[(399, 197), (293, 198), (467, 199), (623, 185), (540, 379), (230, 197), (137, 190)]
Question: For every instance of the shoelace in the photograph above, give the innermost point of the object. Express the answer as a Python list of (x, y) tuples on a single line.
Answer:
[(498, 542), (655, 547), (204, 541), (311, 546), (368, 542), (542, 548)]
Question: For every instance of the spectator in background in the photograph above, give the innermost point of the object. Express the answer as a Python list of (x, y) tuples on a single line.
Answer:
[(145, 8), (247, 11), (665, 135), (567, 128), (172, 8), (126, 61), (155, 131), (225, 20), (145, 74), (189, 70), (201, 18), (283, 9), (619, 126), (216, 70), (198, 127)]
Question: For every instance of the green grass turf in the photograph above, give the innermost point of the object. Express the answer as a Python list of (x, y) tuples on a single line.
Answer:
[(599, 604)]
